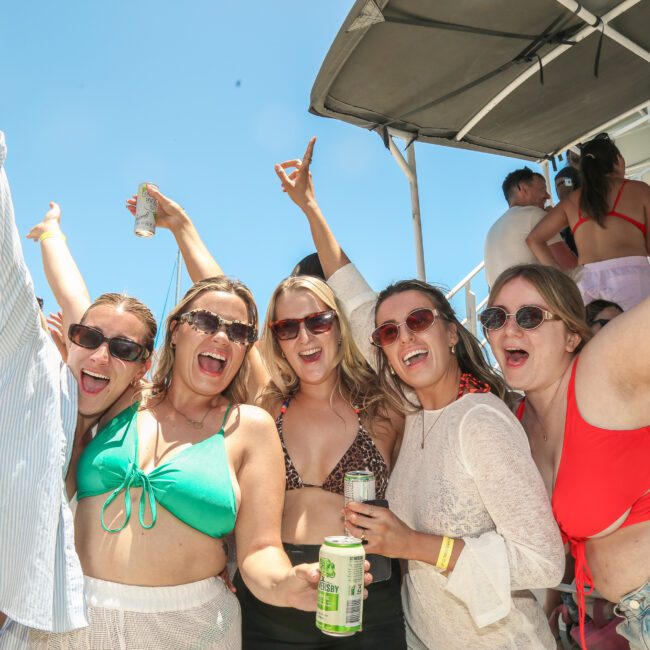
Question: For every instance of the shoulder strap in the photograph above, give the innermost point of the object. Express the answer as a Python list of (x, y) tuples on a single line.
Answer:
[(618, 196), (225, 417)]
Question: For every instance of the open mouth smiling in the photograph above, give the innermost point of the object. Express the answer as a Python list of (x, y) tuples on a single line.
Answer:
[(93, 382), (212, 363), (311, 355), (414, 357)]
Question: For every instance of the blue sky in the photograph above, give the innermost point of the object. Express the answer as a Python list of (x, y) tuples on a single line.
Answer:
[(203, 98)]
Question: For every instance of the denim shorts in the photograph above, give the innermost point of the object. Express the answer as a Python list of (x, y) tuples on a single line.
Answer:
[(635, 609)]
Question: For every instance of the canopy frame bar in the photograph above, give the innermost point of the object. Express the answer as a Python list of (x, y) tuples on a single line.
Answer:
[(594, 21), (410, 171), (605, 125), (547, 58)]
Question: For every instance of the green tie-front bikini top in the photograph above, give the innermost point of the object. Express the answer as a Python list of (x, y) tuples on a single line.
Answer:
[(194, 485)]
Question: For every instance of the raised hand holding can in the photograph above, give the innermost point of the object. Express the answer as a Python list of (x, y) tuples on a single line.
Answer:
[(146, 208)]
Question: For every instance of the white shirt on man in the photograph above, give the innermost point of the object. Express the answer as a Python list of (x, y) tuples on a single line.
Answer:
[(505, 244)]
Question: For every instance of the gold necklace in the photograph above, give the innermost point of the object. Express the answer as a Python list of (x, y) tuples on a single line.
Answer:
[(195, 424), (432, 427)]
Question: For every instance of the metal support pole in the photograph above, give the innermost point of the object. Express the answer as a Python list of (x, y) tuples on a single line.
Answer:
[(410, 171), (179, 271), (547, 178)]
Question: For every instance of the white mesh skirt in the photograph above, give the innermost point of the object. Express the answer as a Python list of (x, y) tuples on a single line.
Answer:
[(200, 615)]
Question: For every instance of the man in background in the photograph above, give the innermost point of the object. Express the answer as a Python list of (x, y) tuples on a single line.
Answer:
[(505, 244)]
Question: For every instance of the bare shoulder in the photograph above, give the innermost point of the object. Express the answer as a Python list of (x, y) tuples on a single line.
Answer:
[(249, 420)]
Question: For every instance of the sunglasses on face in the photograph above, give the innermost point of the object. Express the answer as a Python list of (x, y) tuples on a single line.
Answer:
[(208, 322), (419, 320), (528, 317), (318, 323), (119, 346)]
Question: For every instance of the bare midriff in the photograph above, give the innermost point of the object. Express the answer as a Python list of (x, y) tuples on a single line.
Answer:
[(170, 553), (620, 562), (310, 515)]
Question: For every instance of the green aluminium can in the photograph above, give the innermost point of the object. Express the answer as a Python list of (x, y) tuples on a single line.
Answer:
[(339, 610), (146, 208)]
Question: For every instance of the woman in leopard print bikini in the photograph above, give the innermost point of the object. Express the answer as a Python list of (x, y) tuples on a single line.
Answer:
[(332, 417)]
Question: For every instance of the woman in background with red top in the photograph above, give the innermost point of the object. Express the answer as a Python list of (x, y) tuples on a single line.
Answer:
[(587, 416), (609, 218)]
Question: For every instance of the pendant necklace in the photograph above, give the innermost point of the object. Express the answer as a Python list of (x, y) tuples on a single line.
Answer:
[(195, 424)]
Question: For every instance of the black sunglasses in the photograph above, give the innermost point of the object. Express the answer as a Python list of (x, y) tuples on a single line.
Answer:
[(528, 317), (419, 320), (316, 323), (119, 346), (208, 322)]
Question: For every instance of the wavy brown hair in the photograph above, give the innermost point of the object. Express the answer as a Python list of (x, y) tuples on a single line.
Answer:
[(469, 353), (237, 389), (357, 383), (558, 290)]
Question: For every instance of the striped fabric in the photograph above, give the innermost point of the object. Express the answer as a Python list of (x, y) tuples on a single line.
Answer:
[(41, 583)]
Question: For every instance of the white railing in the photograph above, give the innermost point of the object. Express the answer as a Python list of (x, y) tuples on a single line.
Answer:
[(472, 309)]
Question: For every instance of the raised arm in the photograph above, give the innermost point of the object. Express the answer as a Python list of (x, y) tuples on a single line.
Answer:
[(19, 320), (299, 185), (171, 215), (199, 262), (61, 271), (550, 226), (613, 376)]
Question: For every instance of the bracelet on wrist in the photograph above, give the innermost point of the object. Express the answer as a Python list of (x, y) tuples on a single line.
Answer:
[(444, 556), (51, 234)]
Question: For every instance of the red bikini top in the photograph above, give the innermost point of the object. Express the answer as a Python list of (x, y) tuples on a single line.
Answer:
[(612, 213), (603, 473)]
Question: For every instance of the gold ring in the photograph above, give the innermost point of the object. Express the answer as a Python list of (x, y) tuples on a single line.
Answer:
[(362, 537)]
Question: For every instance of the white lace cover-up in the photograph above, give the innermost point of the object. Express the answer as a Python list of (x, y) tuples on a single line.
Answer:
[(474, 479)]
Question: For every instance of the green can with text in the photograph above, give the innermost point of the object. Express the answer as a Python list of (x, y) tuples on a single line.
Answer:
[(339, 610)]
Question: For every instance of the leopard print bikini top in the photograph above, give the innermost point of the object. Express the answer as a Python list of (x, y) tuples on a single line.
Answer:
[(362, 454)]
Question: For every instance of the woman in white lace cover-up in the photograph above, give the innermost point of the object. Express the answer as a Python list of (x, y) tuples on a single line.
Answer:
[(464, 469)]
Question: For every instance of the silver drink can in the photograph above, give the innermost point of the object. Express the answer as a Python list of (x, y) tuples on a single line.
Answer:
[(145, 212), (358, 485), (339, 609)]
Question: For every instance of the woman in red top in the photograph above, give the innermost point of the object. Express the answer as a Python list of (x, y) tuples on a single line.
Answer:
[(609, 217), (587, 415)]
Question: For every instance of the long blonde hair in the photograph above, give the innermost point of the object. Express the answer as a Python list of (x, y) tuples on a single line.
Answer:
[(469, 353), (237, 389), (558, 290), (357, 382)]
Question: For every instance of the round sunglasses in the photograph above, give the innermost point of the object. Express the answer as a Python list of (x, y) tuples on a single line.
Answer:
[(528, 317), (419, 320), (316, 323), (208, 322), (119, 346)]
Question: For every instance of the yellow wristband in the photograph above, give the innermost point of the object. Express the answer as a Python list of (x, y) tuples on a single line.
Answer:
[(444, 556), (51, 233)]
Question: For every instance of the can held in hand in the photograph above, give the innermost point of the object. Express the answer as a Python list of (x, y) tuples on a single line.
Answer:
[(145, 212), (359, 485), (339, 609)]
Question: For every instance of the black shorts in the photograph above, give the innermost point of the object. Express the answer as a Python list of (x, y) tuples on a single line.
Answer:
[(266, 627)]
